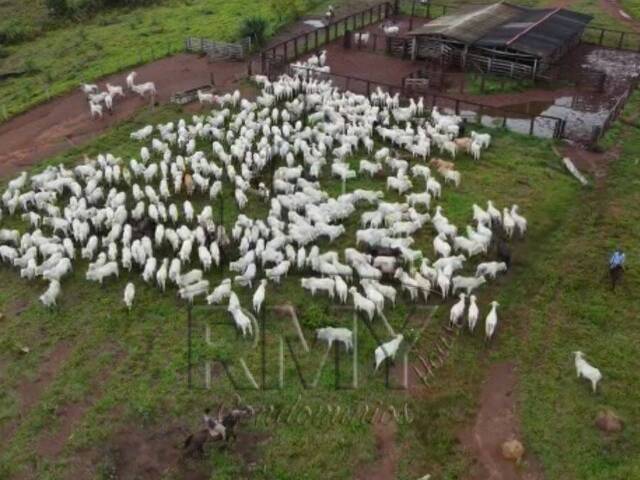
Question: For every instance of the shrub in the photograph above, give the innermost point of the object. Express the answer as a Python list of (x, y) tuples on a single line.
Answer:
[(287, 10), (58, 8), (254, 28), (13, 33)]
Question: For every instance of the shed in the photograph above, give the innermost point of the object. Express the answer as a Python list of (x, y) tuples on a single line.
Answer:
[(501, 37), (544, 34)]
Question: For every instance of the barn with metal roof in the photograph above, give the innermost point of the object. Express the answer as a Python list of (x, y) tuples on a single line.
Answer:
[(501, 38)]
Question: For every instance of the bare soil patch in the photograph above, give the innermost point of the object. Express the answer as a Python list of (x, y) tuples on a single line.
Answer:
[(64, 122), (496, 422), (30, 391), (70, 415), (384, 466)]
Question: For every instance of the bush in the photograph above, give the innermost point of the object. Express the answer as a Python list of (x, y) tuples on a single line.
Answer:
[(14, 32), (287, 10), (58, 8), (256, 29)]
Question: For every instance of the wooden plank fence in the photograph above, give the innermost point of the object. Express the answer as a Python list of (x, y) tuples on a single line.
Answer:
[(219, 51), (293, 48)]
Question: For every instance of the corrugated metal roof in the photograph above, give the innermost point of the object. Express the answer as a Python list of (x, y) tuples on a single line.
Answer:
[(470, 24), (536, 32)]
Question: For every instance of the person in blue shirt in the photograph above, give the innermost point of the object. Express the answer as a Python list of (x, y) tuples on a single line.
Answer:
[(616, 266)]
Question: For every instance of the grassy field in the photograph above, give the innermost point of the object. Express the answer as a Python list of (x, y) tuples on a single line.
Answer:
[(127, 371), (55, 56), (59, 57), (632, 8)]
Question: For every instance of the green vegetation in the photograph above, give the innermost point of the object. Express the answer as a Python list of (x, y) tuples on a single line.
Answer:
[(487, 85), (60, 54), (127, 370), (256, 29), (632, 8), (555, 300), (145, 351)]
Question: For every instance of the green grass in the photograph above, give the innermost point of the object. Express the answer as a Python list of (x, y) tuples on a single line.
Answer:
[(58, 59), (632, 8), (475, 85), (130, 368), (146, 386)]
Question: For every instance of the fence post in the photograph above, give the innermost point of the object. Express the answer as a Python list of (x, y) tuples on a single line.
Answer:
[(413, 12), (601, 36), (531, 125), (457, 106), (620, 40)]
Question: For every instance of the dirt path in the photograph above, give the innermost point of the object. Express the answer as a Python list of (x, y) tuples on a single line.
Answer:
[(613, 8), (70, 415), (497, 421), (384, 466), (65, 121), (30, 391)]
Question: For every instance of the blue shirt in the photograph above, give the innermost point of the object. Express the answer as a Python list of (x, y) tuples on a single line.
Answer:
[(617, 259)]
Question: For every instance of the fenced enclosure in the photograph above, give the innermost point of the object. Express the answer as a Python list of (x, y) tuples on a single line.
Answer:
[(293, 48), (542, 126), (219, 51)]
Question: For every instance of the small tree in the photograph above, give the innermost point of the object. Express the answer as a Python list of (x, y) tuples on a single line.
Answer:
[(287, 10), (256, 29)]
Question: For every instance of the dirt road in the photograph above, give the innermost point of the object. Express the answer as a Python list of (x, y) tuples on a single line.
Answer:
[(65, 121)]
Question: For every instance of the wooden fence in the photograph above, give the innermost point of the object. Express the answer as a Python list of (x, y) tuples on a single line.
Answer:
[(219, 51), (293, 48)]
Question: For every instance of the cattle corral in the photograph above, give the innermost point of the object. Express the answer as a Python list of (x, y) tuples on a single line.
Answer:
[(573, 119), (330, 187)]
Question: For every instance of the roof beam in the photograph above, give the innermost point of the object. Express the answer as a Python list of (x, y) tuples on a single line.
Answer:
[(533, 25)]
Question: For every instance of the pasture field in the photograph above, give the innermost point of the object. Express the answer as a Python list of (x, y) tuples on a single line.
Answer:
[(61, 55), (125, 372), (632, 8), (54, 56)]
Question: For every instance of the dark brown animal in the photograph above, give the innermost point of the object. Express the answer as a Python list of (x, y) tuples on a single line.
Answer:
[(615, 274), (194, 444), (503, 252)]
